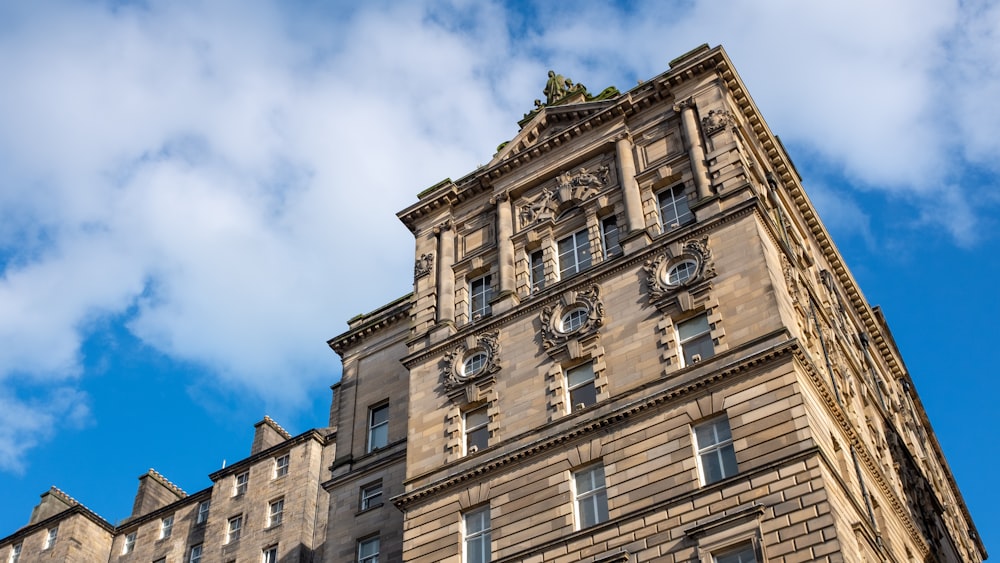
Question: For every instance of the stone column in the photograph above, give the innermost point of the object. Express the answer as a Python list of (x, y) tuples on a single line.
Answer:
[(696, 151), (630, 188), (445, 275), (505, 250)]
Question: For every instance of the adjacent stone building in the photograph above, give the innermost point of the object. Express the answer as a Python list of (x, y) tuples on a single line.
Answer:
[(630, 338)]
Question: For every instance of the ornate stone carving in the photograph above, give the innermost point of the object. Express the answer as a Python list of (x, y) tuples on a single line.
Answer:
[(570, 186), (423, 265), (717, 120), (579, 313), (453, 369), (666, 274), (558, 87)]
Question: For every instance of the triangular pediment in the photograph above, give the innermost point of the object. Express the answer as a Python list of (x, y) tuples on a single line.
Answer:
[(548, 122)]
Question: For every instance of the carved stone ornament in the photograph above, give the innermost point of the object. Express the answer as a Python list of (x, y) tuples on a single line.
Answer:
[(578, 313), (422, 266), (570, 186), (717, 120), (483, 350), (667, 275)]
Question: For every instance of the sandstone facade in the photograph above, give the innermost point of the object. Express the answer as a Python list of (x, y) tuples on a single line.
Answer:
[(630, 338)]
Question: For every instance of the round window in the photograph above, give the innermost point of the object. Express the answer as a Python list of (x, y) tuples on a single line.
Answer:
[(681, 272), (474, 364), (573, 319)]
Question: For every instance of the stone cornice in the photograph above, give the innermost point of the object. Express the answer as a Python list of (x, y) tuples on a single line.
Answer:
[(789, 179), (589, 426), (838, 415), (366, 325), (530, 144)]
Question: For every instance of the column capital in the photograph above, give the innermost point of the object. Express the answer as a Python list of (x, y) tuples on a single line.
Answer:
[(441, 227), (687, 103), (500, 197)]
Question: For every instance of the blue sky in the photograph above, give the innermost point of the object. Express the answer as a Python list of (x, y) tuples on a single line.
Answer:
[(195, 196)]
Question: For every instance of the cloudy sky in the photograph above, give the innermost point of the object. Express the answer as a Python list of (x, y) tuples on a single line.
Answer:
[(194, 197)]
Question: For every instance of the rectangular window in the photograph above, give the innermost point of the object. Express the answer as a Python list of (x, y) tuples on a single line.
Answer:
[(368, 550), (378, 427), (195, 555), (477, 433), (129, 543), (234, 529), (716, 456), (50, 539), (270, 555), (166, 526), (281, 466), (537, 270), (276, 512), (580, 386), (480, 294), (371, 496), (591, 496), (240, 483), (674, 210), (574, 254), (743, 553), (477, 535), (15, 553), (609, 237), (203, 509), (695, 338)]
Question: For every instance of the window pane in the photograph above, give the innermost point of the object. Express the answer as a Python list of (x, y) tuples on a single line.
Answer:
[(742, 554), (693, 327), (580, 374), (478, 439), (537, 270), (584, 395), (477, 417), (701, 346), (609, 228)]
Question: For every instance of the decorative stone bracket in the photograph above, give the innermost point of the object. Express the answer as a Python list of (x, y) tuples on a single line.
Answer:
[(682, 279), (470, 368), (577, 314)]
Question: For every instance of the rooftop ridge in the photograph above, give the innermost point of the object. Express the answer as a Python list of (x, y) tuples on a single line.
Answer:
[(271, 422), (166, 482)]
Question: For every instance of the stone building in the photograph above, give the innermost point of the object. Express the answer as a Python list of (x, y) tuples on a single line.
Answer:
[(630, 338)]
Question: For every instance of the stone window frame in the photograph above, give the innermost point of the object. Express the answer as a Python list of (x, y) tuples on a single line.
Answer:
[(596, 492), (166, 526), (269, 554), (685, 191), (271, 513), (701, 450), (204, 508), (368, 492), (195, 553), (369, 540), (370, 427), (234, 528), (455, 423), (478, 534), (129, 544), (281, 468), (716, 535), (241, 482), (467, 430), (671, 355), (466, 273), (555, 339), (557, 387), (51, 537)]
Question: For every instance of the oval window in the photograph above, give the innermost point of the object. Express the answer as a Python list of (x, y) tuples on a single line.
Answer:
[(474, 364), (681, 272), (573, 319)]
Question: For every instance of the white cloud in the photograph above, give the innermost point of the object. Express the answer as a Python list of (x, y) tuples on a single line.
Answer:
[(228, 174)]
